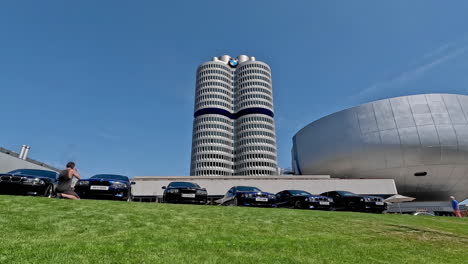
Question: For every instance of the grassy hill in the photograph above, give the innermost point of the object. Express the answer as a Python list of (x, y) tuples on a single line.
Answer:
[(41, 230)]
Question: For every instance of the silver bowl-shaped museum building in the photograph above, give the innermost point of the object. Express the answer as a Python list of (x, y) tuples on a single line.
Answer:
[(420, 141)]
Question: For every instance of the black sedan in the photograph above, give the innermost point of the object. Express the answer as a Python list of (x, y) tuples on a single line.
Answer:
[(354, 202), (29, 182), (108, 186), (303, 200), (184, 192), (247, 196)]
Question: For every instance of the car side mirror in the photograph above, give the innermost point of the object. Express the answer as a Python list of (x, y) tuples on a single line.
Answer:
[(164, 187), (133, 182)]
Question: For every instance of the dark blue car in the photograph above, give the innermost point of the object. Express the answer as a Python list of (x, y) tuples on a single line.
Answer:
[(247, 196), (108, 186), (29, 182), (300, 199)]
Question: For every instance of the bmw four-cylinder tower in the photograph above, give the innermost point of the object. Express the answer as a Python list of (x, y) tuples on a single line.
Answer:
[(233, 127)]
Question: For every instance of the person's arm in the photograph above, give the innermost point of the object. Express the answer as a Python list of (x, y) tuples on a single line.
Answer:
[(76, 174)]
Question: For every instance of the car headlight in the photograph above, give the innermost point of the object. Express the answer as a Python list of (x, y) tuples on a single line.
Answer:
[(83, 183), (312, 199), (271, 196), (367, 199), (201, 192), (173, 190), (119, 185), (330, 200), (33, 181)]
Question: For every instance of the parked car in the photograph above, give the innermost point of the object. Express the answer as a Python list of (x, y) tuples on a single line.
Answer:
[(247, 196), (105, 186), (29, 182), (354, 202), (303, 200), (184, 192)]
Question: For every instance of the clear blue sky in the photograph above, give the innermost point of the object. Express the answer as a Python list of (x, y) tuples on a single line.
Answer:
[(110, 84)]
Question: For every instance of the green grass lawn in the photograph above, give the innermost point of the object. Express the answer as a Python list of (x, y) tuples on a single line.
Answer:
[(42, 230)]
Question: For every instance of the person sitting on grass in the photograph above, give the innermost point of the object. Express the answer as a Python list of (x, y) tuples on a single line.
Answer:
[(66, 182)]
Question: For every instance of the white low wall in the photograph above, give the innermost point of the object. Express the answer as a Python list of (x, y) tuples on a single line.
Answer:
[(315, 184)]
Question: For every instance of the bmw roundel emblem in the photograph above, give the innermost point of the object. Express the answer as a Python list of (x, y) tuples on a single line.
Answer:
[(233, 63)]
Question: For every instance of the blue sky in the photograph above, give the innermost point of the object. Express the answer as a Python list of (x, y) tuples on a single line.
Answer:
[(110, 84)]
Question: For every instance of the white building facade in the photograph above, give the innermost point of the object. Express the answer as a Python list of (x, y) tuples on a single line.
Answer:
[(234, 128)]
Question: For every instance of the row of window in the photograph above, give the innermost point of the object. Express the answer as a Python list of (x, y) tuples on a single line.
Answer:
[(213, 126), (214, 96), (210, 156), (213, 164), (249, 119), (255, 141), (250, 103), (208, 72), (252, 71), (252, 90), (255, 173), (213, 66), (212, 173), (254, 126), (253, 65), (254, 96), (217, 83), (255, 156), (210, 103), (212, 148), (214, 77), (212, 141), (253, 77), (255, 164), (254, 133), (205, 90), (211, 134), (248, 84), (255, 149), (221, 119)]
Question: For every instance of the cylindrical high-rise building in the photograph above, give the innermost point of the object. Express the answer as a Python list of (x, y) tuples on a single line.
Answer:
[(255, 139), (233, 129)]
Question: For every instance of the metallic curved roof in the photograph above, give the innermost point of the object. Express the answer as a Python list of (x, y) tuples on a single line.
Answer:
[(393, 138)]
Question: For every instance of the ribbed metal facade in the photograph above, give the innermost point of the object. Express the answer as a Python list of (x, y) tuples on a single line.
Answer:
[(234, 129)]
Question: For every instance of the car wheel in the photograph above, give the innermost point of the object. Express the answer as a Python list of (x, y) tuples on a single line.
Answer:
[(49, 192), (298, 205), (235, 202)]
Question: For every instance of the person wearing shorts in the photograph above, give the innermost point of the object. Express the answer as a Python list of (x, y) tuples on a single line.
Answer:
[(66, 182)]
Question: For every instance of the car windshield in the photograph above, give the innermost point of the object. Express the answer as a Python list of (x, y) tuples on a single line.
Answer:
[(297, 193), (40, 173), (110, 177), (247, 189), (344, 193), (183, 184)]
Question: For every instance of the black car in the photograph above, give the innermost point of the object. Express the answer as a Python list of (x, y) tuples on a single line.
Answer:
[(303, 200), (247, 196), (354, 202), (29, 182), (184, 192), (108, 186)]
